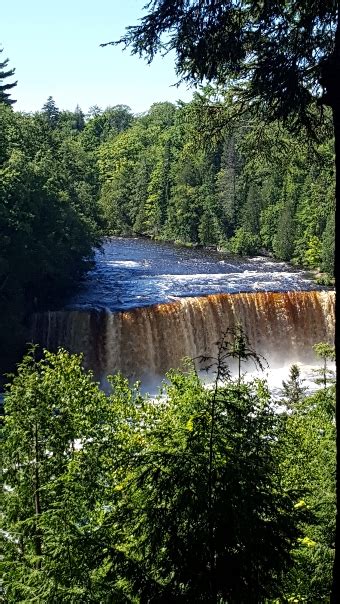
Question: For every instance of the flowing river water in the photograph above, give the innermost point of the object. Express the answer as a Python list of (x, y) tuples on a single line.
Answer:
[(145, 306)]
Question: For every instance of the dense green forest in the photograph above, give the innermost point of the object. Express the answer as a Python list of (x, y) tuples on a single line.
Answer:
[(68, 179), (113, 498), (251, 189), (222, 494), (204, 495)]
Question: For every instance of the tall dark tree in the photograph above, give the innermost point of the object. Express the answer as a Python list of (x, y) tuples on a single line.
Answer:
[(79, 119), (280, 58), (4, 95), (51, 111)]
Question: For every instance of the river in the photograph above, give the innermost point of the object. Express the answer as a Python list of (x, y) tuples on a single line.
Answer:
[(146, 305), (131, 273)]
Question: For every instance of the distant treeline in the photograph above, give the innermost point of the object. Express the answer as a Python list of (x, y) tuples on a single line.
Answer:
[(67, 179)]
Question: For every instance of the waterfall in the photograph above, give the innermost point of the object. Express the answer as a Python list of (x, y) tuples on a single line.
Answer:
[(148, 341)]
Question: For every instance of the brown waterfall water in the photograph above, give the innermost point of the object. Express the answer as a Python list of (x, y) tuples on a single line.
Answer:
[(147, 341)]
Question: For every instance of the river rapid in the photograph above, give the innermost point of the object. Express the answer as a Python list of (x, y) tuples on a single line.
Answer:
[(132, 272)]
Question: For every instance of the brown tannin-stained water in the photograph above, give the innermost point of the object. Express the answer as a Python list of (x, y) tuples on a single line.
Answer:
[(146, 306)]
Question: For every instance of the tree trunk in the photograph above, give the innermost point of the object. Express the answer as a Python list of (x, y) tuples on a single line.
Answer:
[(331, 85), (336, 123), (37, 504), (334, 91)]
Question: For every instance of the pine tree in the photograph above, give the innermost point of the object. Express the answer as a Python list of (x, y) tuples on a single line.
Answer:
[(293, 389), (79, 119), (51, 111), (5, 96), (326, 352)]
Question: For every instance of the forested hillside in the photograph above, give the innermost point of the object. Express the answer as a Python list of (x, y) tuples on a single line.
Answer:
[(68, 179), (253, 188)]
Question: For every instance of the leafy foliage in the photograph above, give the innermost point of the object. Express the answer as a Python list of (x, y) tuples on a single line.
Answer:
[(48, 218), (63, 447), (105, 497), (309, 456)]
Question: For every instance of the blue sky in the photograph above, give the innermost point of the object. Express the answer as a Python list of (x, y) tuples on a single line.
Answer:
[(54, 47)]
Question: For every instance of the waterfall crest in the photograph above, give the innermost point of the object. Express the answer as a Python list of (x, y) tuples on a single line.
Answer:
[(148, 341)]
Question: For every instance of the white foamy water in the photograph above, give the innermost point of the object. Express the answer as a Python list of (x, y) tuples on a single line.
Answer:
[(130, 273)]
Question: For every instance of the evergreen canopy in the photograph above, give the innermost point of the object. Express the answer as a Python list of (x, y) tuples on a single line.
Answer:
[(280, 56)]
